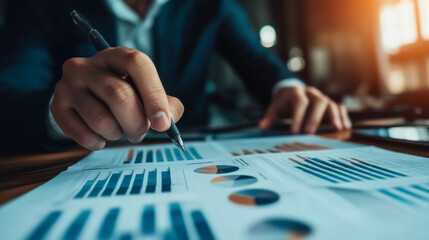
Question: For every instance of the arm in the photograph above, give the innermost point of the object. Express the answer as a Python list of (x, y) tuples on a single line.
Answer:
[(257, 66), (26, 82), (27, 73), (91, 101), (261, 71)]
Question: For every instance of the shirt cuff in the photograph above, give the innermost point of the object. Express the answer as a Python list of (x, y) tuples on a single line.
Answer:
[(54, 131), (288, 82)]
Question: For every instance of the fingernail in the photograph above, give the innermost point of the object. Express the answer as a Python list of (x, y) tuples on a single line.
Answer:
[(338, 124), (263, 124), (348, 124), (160, 120), (98, 146), (137, 140)]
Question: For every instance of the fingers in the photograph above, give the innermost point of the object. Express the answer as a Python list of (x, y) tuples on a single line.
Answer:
[(295, 97), (106, 104), (72, 125), (299, 109), (123, 103), (335, 116), (276, 110), (270, 117), (306, 103), (97, 116), (143, 72), (322, 105), (345, 116)]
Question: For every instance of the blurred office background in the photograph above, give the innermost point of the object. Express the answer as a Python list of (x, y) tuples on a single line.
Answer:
[(357, 52), (351, 50)]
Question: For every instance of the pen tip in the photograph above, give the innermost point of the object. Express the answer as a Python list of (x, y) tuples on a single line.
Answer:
[(178, 142)]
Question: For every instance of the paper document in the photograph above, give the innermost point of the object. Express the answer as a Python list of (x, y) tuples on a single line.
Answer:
[(214, 150), (295, 187)]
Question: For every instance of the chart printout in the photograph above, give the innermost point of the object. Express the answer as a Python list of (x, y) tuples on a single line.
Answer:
[(215, 150), (300, 187)]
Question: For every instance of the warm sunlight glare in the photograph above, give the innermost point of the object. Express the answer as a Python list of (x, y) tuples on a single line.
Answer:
[(398, 25), (396, 83), (424, 18)]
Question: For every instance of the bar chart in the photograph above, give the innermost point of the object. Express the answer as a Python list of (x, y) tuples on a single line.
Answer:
[(281, 147), (387, 201), (120, 183), (184, 222), (413, 195), (149, 155), (343, 170)]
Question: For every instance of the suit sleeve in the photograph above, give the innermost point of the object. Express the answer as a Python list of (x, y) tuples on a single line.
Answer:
[(26, 85), (28, 72), (257, 66)]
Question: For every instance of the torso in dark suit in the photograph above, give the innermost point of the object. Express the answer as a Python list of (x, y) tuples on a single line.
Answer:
[(186, 34)]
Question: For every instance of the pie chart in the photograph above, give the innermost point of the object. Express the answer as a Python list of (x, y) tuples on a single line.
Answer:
[(233, 181), (279, 228), (216, 169), (254, 197)]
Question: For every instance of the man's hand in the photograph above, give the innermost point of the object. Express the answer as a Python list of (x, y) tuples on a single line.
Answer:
[(93, 103), (307, 106)]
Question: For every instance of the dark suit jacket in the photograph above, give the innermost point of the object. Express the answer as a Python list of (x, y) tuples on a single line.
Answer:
[(38, 36)]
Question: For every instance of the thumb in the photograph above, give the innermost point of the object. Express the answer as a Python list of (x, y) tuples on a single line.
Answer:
[(270, 117)]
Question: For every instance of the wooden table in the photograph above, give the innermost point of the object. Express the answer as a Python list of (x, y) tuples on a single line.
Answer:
[(21, 172)]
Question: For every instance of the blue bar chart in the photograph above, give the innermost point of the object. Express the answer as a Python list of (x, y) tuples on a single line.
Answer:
[(412, 195), (178, 221), (343, 170), (45, 225), (148, 220), (121, 183), (76, 227), (108, 226), (201, 225), (138, 184), (111, 185), (151, 182), (161, 155)]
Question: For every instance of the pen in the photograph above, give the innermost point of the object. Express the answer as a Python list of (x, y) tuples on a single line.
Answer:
[(100, 44)]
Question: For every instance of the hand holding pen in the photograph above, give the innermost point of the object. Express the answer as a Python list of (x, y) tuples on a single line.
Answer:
[(115, 92)]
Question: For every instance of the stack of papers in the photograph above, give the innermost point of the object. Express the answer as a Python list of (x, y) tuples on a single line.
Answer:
[(295, 187)]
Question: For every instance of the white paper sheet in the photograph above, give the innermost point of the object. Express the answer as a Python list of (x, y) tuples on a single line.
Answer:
[(215, 194), (214, 150)]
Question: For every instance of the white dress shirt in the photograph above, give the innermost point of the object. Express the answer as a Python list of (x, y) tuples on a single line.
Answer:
[(132, 31)]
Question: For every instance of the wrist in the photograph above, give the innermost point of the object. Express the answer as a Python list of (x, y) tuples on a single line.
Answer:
[(287, 83), (54, 131)]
